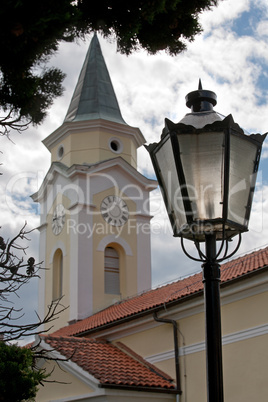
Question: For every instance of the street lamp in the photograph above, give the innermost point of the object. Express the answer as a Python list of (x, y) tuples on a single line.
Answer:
[(206, 168)]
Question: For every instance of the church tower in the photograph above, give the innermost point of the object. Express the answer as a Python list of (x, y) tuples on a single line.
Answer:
[(94, 229)]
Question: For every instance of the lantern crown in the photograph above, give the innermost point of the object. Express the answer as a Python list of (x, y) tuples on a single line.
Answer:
[(201, 100), (201, 103)]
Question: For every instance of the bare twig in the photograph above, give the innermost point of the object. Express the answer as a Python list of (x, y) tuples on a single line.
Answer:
[(14, 273)]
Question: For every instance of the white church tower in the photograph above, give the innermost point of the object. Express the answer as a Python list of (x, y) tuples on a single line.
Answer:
[(94, 229)]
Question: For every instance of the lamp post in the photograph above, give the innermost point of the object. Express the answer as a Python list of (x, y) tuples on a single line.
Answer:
[(206, 168)]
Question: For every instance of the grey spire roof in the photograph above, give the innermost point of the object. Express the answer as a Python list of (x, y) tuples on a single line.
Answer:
[(94, 96)]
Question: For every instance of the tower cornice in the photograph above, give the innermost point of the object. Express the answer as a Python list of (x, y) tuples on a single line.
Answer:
[(85, 169), (85, 126)]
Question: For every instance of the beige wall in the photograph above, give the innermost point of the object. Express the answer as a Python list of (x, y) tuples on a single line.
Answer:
[(245, 370), (70, 385), (245, 361), (248, 312), (93, 146)]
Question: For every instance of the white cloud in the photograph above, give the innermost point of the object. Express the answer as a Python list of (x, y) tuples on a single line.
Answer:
[(262, 28), (226, 11)]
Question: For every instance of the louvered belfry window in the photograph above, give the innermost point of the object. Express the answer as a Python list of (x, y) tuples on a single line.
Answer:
[(111, 271)]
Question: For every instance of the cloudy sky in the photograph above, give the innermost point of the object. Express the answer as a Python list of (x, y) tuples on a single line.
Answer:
[(231, 58)]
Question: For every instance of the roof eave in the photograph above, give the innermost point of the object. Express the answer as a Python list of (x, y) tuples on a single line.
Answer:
[(140, 388)]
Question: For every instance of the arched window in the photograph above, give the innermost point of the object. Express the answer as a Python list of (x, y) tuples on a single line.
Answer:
[(111, 271), (57, 275)]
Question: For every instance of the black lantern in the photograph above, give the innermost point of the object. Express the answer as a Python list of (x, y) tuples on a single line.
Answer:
[(206, 167)]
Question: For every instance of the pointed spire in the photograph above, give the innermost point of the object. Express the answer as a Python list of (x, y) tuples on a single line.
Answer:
[(200, 85), (94, 96)]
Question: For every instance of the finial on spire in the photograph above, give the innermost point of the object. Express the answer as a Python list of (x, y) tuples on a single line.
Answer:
[(200, 85)]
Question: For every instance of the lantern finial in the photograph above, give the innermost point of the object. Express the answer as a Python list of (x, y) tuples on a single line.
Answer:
[(201, 100)]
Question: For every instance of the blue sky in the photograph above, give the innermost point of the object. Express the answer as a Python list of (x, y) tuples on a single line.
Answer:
[(231, 58), (246, 24)]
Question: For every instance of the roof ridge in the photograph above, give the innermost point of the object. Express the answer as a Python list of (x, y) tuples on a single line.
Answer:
[(160, 287), (141, 360), (71, 338), (247, 256)]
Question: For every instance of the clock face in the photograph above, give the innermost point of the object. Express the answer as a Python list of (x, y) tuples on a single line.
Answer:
[(58, 219), (114, 210)]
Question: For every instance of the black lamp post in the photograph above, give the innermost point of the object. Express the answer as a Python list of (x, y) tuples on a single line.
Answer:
[(206, 167)]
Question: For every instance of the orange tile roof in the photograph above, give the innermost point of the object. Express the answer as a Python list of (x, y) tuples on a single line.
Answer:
[(173, 292), (110, 364)]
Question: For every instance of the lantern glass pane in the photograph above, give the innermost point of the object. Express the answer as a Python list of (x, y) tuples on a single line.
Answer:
[(242, 178), (170, 184), (202, 158)]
